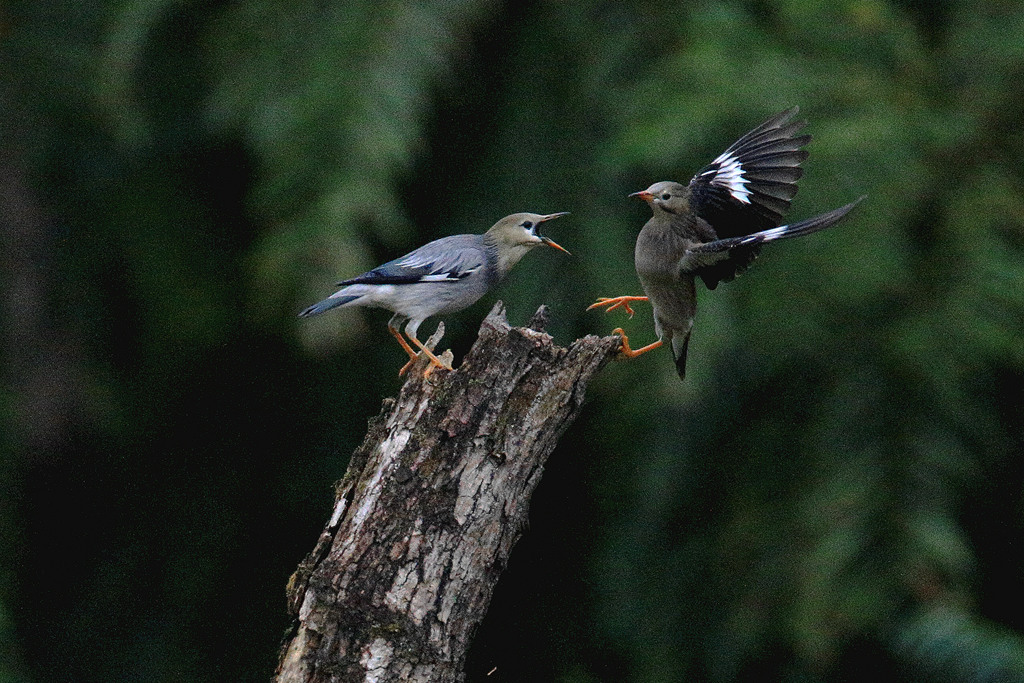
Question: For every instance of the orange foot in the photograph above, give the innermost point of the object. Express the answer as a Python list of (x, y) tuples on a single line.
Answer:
[(616, 302), (405, 346), (633, 353), (435, 362)]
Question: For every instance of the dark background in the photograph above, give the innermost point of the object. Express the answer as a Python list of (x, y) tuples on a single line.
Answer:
[(833, 495)]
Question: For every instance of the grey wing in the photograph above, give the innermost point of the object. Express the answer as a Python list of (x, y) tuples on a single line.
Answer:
[(449, 259)]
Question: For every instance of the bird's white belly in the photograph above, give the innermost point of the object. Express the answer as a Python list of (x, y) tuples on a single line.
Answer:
[(422, 300)]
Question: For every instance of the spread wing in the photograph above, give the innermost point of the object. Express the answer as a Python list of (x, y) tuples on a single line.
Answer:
[(748, 188), (804, 227)]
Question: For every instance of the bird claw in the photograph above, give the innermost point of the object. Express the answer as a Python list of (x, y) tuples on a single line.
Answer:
[(630, 352), (614, 302), (444, 362)]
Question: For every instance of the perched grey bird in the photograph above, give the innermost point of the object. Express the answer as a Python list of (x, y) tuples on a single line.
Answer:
[(714, 227), (443, 276)]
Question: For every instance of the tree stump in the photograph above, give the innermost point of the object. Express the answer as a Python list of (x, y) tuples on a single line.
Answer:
[(432, 503)]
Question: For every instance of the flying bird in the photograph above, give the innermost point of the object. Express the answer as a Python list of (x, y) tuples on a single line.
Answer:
[(442, 276), (714, 227)]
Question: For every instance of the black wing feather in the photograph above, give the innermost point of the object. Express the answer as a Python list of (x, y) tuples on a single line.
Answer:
[(748, 188), (799, 229)]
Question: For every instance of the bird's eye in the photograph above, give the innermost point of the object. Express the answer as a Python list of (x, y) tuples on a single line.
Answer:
[(665, 197), (528, 224)]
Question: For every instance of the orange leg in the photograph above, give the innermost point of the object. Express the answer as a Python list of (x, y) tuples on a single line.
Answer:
[(633, 353), (434, 360), (616, 302), (408, 349), (408, 364), (401, 340)]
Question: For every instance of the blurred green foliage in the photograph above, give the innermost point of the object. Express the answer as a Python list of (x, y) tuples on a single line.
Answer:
[(833, 495)]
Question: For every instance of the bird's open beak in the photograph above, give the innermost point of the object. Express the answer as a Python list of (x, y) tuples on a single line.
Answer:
[(551, 243), (642, 194), (547, 240), (553, 216)]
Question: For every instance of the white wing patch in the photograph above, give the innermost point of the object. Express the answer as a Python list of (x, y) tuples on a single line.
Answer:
[(774, 233), (763, 236), (733, 242), (730, 176)]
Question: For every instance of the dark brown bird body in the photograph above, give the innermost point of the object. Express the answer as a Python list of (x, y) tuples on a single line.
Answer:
[(661, 257), (713, 228)]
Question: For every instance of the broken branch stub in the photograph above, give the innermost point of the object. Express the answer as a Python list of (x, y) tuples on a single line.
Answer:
[(430, 508)]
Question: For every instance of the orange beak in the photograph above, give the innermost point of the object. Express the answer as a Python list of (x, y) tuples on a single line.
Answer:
[(642, 194), (547, 240), (551, 243)]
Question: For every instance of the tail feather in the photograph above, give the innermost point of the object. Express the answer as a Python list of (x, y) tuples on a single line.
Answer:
[(327, 304), (679, 348)]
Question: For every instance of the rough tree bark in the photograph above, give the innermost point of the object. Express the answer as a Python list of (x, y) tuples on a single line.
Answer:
[(432, 503)]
